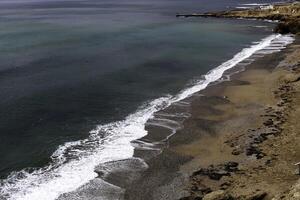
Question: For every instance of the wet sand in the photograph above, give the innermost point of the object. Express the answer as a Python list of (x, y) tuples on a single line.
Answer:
[(240, 142)]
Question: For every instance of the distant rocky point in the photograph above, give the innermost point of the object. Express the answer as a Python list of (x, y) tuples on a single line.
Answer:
[(287, 14)]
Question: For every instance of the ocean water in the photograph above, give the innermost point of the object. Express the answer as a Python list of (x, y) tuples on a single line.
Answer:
[(80, 78)]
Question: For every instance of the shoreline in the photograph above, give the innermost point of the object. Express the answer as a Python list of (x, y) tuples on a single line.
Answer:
[(155, 142), (221, 133), (227, 139), (156, 168), (164, 163)]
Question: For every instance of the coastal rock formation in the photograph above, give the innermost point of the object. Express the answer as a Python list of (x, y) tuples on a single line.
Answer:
[(217, 172), (290, 26), (288, 16)]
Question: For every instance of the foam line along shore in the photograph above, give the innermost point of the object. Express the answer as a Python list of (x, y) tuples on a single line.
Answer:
[(66, 174)]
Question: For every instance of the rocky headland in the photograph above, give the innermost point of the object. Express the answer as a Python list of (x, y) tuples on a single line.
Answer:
[(287, 14)]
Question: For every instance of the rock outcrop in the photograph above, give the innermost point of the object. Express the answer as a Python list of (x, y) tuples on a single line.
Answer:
[(288, 16)]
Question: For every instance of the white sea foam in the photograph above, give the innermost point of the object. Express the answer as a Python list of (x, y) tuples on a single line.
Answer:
[(74, 162), (254, 4), (250, 5), (176, 115), (242, 7)]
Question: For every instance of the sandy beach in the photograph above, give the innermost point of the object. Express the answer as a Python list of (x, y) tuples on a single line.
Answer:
[(240, 142), (149, 100), (235, 140)]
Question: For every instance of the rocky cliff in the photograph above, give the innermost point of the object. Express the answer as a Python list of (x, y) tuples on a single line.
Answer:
[(288, 15)]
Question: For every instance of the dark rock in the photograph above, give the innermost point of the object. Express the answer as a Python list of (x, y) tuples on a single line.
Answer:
[(231, 166), (214, 174), (268, 162), (259, 139), (260, 155), (268, 122), (189, 198), (217, 172), (237, 151), (257, 196), (292, 26), (254, 150)]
